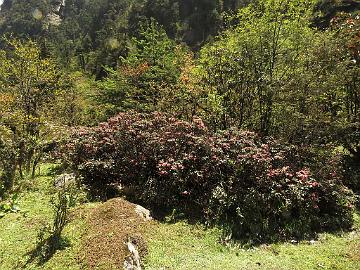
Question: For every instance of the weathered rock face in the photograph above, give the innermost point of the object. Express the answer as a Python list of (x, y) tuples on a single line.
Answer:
[(56, 14), (58, 6)]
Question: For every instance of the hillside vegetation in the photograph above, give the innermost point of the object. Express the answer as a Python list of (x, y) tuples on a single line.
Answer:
[(239, 120)]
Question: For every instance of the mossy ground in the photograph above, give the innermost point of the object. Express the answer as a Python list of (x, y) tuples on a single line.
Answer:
[(171, 246)]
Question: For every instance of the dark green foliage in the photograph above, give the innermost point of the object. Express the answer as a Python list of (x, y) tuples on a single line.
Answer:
[(326, 10), (92, 34), (258, 190), (192, 22), (7, 166), (352, 173), (188, 21), (24, 18)]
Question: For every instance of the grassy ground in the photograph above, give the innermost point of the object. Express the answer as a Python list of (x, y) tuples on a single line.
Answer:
[(18, 231), (171, 246), (183, 246)]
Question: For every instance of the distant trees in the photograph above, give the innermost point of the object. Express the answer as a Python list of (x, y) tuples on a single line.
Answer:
[(192, 22), (188, 21), (95, 33), (151, 77), (24, 18)]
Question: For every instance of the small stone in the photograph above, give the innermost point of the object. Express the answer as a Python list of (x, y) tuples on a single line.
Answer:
[(143, 212), (64, 180)]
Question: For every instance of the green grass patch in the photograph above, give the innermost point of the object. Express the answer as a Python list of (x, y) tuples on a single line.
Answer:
[(184, 246), (18, 231)]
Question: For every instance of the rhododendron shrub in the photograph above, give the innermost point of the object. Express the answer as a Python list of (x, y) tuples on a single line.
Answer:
[(256, 189)]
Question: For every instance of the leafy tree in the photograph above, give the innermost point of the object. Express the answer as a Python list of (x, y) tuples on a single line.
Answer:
[(246, 67), (320, 99), (348, 28), (74, 104), (30, 84)]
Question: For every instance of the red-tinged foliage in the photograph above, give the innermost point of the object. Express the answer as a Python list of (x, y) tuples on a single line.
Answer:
[(256, 189)]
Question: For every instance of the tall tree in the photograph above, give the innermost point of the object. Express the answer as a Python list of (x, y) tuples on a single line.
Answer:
[(29, 84), (247, 64)]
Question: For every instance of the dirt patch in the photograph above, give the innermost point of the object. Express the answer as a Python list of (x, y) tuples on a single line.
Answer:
[(110, 226)]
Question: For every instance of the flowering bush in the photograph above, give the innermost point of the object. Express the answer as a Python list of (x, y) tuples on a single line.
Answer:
[(257, 189)]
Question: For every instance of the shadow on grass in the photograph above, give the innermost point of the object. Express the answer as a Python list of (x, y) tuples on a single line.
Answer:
[(55, 170), (275, 235), (45, 249)]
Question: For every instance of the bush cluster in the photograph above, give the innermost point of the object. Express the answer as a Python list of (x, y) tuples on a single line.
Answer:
[(263, 190)]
